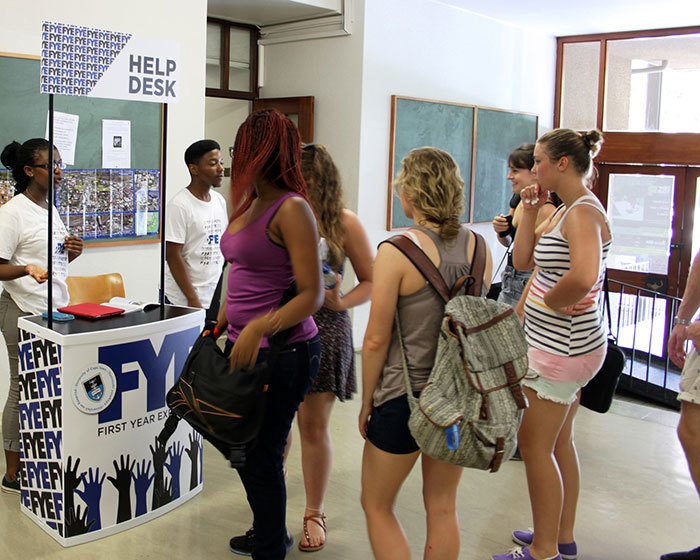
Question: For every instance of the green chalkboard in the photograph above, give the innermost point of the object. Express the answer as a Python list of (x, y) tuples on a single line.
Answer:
[(23, 114), (419, 123), (498, 133)]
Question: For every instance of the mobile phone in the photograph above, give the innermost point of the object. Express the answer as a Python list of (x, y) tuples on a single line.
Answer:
[(58, 316)]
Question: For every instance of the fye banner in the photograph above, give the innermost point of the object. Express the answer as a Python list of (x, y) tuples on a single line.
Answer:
[(89, 417), (91, 62)]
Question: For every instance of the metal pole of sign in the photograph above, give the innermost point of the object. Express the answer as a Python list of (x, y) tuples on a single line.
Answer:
[(162, 210), (50, 245)]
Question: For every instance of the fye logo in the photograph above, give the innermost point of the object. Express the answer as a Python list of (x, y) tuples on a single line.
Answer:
[(213, 239), (129, 359)]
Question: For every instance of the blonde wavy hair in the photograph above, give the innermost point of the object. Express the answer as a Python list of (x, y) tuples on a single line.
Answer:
[(430, 178), (326, 197)]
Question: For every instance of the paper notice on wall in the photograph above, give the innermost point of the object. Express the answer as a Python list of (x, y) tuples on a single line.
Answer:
[(116, 144), (65, 135)]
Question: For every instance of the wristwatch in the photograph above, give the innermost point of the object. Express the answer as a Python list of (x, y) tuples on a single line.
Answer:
[(678, 321)]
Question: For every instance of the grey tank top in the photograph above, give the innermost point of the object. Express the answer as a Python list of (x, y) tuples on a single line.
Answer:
[(420, 314)]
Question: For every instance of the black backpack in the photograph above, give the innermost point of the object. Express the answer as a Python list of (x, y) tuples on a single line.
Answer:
[(226, 407)]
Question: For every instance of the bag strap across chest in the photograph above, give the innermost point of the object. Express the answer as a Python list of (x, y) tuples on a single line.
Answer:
[(431, 273)]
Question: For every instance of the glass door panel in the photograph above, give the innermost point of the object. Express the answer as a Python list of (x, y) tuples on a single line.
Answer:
[(642, 204), (640, 209)]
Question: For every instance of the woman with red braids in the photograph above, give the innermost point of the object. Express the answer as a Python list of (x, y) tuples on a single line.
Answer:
[(270, 242)]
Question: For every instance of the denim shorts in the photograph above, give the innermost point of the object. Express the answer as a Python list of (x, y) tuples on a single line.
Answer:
[(388, 427), (513, 283)]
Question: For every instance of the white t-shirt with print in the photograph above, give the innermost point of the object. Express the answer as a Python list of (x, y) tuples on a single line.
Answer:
[(23, 239), (197, 226)]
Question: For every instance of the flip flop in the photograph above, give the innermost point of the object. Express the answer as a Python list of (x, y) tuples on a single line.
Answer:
[(322, 524)]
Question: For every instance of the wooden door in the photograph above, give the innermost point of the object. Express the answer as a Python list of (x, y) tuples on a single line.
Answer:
[(299, 109)]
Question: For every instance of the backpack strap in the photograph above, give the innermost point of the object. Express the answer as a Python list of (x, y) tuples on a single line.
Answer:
[(422, 262), (478, 265), (431, 273)]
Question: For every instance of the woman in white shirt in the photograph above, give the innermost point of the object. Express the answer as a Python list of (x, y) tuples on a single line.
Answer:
[(23, 256)]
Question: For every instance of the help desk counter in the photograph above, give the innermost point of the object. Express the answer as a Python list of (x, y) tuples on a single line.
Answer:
[(92, 401)]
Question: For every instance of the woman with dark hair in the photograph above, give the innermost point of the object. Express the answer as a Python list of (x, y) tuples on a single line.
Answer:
[(343, 236), (520, 162), (23, 256), (268, 244), (565, 333)]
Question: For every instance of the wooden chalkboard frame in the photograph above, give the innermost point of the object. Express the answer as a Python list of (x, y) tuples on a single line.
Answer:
[(475, 163), (461, 110), (155, 161)]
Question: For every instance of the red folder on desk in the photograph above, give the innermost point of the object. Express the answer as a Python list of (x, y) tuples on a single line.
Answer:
[(91, 310)]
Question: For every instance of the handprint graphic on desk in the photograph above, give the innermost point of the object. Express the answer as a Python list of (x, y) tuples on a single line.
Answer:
[(193, 451), (122, 482), (142, 482), (92, 495)]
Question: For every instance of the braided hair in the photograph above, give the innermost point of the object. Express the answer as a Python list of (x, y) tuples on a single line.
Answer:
[(268, 146)]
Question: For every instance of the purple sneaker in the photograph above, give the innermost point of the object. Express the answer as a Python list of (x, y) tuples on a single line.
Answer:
[(519, 554), (689, 555), (567, 551)]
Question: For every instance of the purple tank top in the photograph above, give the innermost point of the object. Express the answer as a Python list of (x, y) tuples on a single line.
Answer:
[(259, 274)]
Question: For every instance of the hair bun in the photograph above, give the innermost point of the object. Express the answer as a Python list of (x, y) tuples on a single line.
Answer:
[(9, 154), (593, 140)]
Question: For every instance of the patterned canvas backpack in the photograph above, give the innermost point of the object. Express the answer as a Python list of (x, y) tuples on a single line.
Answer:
[(475, 381)]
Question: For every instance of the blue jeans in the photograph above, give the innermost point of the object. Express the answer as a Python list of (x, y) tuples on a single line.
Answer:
[(262, 475)]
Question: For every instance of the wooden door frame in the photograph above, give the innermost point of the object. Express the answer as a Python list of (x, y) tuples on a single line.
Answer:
[(692, 178)]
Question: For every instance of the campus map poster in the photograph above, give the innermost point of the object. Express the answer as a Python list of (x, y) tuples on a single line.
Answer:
[(109, 203)]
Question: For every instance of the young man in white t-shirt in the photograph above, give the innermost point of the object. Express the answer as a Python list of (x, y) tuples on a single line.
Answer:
[(195, 219)]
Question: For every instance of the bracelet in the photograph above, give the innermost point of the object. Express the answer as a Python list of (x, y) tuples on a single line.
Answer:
[(678, 321)]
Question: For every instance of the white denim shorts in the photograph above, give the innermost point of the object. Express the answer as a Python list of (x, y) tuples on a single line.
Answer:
[(558, 378), (690, 379)]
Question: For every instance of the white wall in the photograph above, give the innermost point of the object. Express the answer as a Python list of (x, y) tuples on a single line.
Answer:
[(222, 119), (183, 21), (419, 48), (330, 70)]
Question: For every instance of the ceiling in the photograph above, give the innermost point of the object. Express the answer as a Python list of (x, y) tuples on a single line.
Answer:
[(271, 12), (552, 17), (559, 18)]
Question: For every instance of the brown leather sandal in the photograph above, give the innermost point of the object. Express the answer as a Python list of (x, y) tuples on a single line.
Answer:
[(322, 523)]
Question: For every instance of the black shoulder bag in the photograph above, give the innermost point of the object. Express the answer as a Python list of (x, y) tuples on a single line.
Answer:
[(597, 395), (226, 407)]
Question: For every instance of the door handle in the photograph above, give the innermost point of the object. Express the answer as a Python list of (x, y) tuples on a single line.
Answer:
[(677, 245)]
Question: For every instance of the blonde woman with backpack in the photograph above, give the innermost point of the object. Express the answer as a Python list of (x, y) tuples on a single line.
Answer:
[(431, 191)]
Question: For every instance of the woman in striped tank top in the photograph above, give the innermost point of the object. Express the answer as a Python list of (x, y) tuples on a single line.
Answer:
[(564, 329)]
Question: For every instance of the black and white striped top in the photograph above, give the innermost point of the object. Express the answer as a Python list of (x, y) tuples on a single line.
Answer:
[(549, 330)]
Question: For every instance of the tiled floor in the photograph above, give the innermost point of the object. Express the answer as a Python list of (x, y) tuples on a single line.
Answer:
[(637, 502)]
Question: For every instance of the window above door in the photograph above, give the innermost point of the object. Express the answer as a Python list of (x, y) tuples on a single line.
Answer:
[(232, 59)]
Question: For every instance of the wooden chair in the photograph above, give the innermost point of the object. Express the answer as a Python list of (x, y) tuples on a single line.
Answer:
[(95, 289)]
